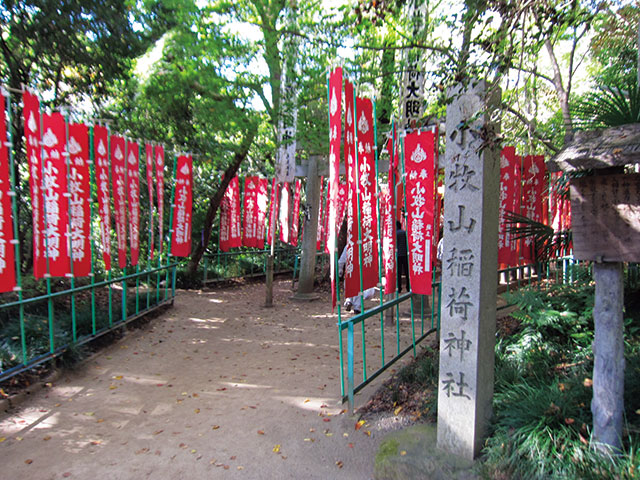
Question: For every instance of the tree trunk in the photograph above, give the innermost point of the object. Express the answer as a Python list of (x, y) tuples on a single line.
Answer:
[(607, 405), (216, 199)]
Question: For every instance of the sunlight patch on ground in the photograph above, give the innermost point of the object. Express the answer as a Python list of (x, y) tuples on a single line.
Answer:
[(66, 391), (246, 385), (313, 404), (216, 300)]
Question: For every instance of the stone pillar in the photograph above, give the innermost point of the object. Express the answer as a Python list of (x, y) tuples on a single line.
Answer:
[(469, 271), (310, 229), (607, 405)]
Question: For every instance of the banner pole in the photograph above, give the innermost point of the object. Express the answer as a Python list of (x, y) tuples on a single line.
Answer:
[(16, 245), (380, 239), (171, 232)]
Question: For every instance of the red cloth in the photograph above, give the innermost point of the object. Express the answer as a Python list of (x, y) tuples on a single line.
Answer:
[(388, 240), (31, 115), (181, 238), (55, 194), (509, 194), (419, 158), (7, 249), (159, 156), (133, 190), (335, 137), (273, 209), (366, 176), (352, 265), (119, 196), (101, 155), (295, 219), (250, 210), (148, 152), (261, 219), (230, 217), (533, 186), (79, 200)]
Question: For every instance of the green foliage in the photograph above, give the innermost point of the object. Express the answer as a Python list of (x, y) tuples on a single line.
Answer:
[(543, 390), (609, 106)]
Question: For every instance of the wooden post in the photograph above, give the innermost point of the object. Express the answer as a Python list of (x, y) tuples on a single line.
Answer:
[(607, 405), (308, 257)]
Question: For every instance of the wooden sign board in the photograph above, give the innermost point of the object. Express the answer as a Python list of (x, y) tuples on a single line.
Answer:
[(605, 218)]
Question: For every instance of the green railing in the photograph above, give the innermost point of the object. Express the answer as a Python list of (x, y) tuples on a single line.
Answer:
[(37, 329), (247, 263), (385, 335)]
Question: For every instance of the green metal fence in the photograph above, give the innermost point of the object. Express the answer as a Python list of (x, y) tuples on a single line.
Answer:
[(247, 263), (387, 332), (39, 328)]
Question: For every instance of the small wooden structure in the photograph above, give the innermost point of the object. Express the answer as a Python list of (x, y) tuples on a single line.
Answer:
[(605, 223)]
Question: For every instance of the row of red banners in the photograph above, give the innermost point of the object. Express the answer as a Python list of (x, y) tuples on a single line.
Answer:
[(58, 155), (527, 189), (523, 183), (252, 214)]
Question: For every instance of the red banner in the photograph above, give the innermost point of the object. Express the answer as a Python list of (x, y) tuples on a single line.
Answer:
[(366, 176), (181, 238), (79, 205), (419, 158), (388, 241), (55, 194), (295, 218), (230, 217), (31, 116), (509, 193), (133, 189), (119, 196), (101, 155), (159, 156), (250, 212), (7, 248), (285, 202), (533, 186), (322, 224), (261, 218), (148, 152), (275, 194), (335, 136), (352, 265)]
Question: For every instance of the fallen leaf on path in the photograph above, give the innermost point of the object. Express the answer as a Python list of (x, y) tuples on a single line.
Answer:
[(112, 387), (339, 464), (350, 445), (158, 432), (307, 400), (345, 434), (89, 414), (47, 438), (193, 450), (326, 419), (360, 424), (368, 433), (117, 377), (309, 440), (28, 461), (260, 432), (221, 389), (2, 439), (403, 453), (240, 467), (197, 410), (142, 450), (215, 427), (66, 474), (276, 449), (397, 410)]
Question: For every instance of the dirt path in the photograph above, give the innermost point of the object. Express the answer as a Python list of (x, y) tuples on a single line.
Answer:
[(217, 387)]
